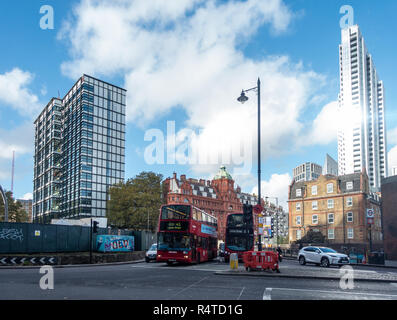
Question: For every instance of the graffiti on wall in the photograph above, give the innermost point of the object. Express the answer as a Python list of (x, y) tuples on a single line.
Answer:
[(11, 234), (109, 243)]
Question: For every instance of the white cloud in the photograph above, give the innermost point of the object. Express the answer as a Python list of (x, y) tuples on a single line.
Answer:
[(21, 140), (186, 54), (14, 92), (277, 186), (324, 127), (27, 196)]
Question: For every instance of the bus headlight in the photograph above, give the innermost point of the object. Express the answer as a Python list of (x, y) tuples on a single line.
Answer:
[(186, 257), (159, 256)]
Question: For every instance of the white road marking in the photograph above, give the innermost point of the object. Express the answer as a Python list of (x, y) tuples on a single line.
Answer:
[(188, 287), (267, 294), (336, 292), (239, 296)]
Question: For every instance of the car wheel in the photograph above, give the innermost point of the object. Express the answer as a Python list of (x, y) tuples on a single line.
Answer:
[(325, 262), (147, 259), (302, 260)]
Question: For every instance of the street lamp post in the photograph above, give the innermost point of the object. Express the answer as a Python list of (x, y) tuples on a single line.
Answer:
[(243, 98)]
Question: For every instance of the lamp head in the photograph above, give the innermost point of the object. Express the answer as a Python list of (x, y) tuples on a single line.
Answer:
[(243, 98)]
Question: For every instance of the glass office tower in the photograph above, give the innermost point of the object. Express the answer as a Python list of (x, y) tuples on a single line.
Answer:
[(93, 149)]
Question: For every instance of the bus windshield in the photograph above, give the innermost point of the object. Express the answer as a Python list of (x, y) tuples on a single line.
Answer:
[(239, 243), (173, 241), (175, 212), (235, 221)]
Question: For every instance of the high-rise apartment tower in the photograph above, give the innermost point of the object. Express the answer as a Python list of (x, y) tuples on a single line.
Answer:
[(362, 131)]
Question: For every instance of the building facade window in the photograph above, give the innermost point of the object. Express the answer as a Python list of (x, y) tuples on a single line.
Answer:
[(330, 203), (349, 201), (314, 205), (314, 219), (298, 234), (314, 190), (350, 217), (331, 234), (349, 185), (331, 218), (298, 207), (298, 192), (298, 220), (330, 187), (350, 233)]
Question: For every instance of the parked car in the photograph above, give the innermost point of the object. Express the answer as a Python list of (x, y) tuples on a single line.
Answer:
[(322, 256), (151, 253)]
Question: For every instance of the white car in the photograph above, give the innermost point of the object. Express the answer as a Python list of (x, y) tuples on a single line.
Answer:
[(151, 254), (322, 256)]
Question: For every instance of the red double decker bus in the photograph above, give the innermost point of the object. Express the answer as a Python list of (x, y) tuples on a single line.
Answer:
[(186, 234)]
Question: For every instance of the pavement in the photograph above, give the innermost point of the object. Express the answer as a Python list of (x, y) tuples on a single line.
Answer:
[(388, 263), (326, 274), (290, 268)]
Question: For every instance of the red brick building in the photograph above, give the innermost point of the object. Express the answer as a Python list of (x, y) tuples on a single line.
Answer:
[(218, 197), (389, 213)]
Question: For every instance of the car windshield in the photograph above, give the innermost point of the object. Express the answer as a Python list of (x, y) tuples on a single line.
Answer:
[(153, 247), (328, 250)]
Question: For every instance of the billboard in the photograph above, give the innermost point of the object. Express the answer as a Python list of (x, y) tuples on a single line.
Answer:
[(110, 243)]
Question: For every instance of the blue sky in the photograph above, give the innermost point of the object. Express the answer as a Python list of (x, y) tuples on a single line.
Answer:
[(187, 62)]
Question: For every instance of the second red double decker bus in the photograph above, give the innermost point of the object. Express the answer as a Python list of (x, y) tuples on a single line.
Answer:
[(186, 234), (239, 236)]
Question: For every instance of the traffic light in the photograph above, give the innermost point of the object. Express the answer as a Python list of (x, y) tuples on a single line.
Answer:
[(95, 226)]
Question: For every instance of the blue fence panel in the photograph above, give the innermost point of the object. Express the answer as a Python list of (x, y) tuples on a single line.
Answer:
[(42, 238), (62, 238), (35, 234), (17, 236)]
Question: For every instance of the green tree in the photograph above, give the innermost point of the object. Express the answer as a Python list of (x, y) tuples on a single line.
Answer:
[(135, 204), (312, 237), (16, 213)]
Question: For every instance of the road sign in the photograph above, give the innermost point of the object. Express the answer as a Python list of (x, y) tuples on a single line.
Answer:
[(34, 260), (370, 220), (370, 213), (258, 209)]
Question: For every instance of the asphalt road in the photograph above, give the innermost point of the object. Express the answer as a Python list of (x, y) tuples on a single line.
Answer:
[(155, 281)]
